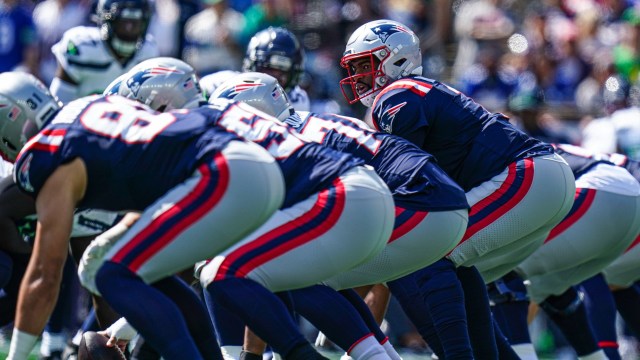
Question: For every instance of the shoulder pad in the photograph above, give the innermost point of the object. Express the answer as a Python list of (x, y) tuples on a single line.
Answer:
[(81, 48)]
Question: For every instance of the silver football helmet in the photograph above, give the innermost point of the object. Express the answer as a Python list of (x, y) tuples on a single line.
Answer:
[(162, 83), (393, 51), (26, 105), (259, 90)]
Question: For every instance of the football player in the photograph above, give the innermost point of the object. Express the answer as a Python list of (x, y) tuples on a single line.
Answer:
[(26, 98), (89, 58), (517, 187), (328, 194), (602, 223), (275, 51), (430, 207), (115, 154)]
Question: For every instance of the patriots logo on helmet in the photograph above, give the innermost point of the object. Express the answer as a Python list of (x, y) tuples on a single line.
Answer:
[(386, 30), (135, 82), (233, 91)]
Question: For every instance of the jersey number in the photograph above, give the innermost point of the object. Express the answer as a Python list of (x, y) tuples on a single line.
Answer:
[(125, 120)]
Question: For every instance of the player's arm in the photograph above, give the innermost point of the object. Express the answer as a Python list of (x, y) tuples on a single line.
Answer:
[(63, 86), (55, 204)]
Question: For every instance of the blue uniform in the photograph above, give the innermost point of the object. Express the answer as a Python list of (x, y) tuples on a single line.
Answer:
[(415, 180), (471, 144), (307, 167), (132, 158)]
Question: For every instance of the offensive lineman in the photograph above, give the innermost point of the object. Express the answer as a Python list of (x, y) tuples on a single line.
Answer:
[(114, 154)]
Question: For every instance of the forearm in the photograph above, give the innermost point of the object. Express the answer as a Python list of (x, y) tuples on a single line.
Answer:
[(36, 301)]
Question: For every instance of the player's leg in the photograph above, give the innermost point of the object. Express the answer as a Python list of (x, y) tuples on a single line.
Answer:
[(9, 300), (337, 318), (530, 197), (476, 303), (433, 299), (568, 312), (510, 306), (6, 266), (601, 309), (195, 220), (627, 301), (229, 328), (298, 247)]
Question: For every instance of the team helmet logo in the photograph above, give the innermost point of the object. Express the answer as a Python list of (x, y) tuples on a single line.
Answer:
[(233, 91), (135, 82), (384, 31)]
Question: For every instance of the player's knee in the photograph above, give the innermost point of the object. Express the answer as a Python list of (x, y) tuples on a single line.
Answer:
[(564, 304), (509, 288)]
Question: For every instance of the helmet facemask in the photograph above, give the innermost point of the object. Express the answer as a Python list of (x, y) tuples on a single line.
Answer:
[(362, 85), (277, 52), (124, 27), (391, 47)]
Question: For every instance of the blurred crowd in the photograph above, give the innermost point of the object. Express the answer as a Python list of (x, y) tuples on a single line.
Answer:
[(553, 65), (564, 70)]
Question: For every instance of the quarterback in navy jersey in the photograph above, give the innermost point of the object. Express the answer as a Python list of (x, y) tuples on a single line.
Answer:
[(517, 187), (115, 154)]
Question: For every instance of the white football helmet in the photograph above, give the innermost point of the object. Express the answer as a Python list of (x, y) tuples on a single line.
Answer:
[(393, 52), (162, 83), (26, 105), (259, 90)]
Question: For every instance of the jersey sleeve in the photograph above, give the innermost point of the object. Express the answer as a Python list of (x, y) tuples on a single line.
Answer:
[(400, 112), (32, 170)]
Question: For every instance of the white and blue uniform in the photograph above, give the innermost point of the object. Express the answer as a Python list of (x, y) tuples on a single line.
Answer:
[(431, 209), (603, 222), (517, 187), (86, 58)]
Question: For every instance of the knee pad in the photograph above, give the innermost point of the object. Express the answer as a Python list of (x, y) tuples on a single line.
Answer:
[(509, 288), (564, 304)]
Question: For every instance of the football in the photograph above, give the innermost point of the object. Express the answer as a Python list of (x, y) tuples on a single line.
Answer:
[(93, 346)]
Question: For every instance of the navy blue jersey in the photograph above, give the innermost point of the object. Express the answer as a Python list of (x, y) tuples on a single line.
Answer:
[(580, 159), (307, 167), (133, 154), (412, 175), (471, 144)]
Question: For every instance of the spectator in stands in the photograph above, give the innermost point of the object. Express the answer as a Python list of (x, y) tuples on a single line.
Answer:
[(18, 41)]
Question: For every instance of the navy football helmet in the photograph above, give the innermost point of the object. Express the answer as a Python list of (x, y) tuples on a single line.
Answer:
[(277, 52), (123, 24)]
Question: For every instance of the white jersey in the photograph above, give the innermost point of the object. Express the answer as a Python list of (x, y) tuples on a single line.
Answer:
[(86, 222), (297, 96), (90, 63)]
